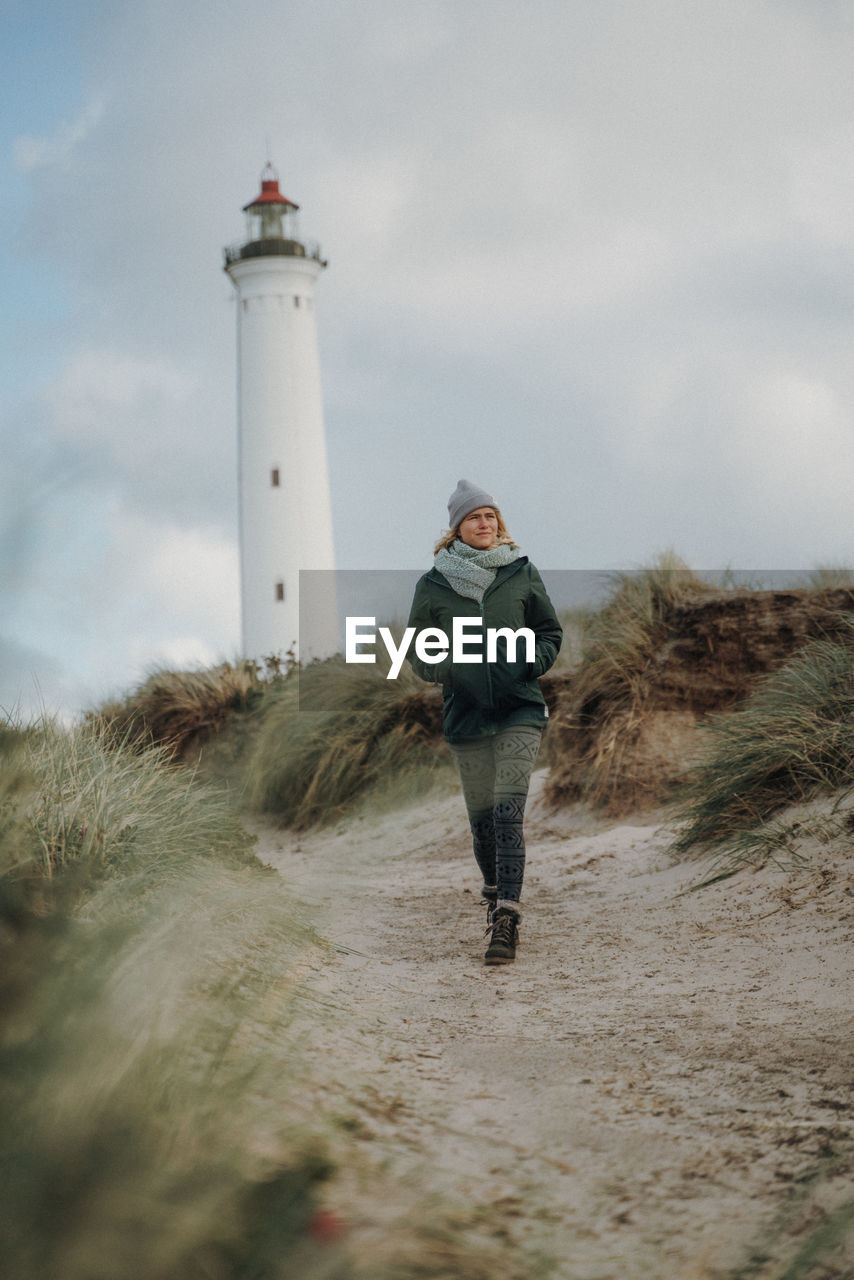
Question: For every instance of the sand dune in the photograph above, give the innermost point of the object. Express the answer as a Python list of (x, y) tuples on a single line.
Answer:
[(660, 1086)]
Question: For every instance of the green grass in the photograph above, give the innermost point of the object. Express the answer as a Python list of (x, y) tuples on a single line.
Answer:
[(143, 1064), (791, 740), (823, 1247), (811, 1236)]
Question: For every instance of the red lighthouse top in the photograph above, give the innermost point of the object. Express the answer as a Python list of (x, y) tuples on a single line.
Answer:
[(270, 193), (271, 227)]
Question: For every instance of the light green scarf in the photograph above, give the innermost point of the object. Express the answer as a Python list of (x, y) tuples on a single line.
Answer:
[(470, 571)]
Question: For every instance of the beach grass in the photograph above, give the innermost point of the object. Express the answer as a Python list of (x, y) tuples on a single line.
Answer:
[(150, 975), (163, 1114), (624, 636), (791, 740), (178, 710), (334, 733)]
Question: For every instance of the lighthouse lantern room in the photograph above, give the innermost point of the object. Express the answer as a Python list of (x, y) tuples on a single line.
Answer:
[(285, 509), (272, 216)]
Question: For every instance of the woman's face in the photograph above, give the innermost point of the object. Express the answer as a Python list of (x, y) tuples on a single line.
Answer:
[(479, 529)]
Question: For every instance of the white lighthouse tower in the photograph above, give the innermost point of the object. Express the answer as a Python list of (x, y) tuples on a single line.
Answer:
[(285, 509)]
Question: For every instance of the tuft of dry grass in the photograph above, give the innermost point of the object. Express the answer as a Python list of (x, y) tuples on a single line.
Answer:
[(830, 577), (177, 710), (791, 740), (667, 649), (336, 732), (626, 635), (594, 737), (575, 623), (108, 808), (149, 970)]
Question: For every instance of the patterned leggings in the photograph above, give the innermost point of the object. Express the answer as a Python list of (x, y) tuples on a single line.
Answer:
[(495, 773)]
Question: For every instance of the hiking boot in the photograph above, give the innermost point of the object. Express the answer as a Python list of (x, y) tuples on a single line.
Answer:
[(505, 934)]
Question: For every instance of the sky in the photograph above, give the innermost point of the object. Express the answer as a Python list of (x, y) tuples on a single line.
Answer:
[(596, 256)]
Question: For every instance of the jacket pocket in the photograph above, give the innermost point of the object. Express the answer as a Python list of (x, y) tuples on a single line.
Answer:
[(512, 685)]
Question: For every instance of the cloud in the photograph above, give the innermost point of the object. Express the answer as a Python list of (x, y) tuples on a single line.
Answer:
[(58, 151), (96, 385), (821, 185), (139, 424), (599, 260), (175, 594), (189, 571), (106, 599), (161, 580), (799, 437)]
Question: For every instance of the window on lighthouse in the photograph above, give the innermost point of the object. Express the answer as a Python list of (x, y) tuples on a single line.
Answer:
[(280, 591), (274, 477), (271, 223)]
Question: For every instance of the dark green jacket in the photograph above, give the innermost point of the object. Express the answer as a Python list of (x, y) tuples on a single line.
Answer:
[(481, 698)]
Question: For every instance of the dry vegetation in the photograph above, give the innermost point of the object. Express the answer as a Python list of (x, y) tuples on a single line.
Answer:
[(138, 936), (302, 745), (338, 734), (180, 710), (149, 966), (155, 1108), (636, 678), (790, 741), (664, 652)]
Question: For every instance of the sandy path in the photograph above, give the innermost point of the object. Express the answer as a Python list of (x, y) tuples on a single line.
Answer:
[(662, 1084)]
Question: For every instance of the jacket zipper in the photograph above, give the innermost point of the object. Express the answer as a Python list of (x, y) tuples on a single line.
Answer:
[(486, 664), (492, 731)]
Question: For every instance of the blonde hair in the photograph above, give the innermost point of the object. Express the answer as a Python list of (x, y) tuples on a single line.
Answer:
[(502, 539)]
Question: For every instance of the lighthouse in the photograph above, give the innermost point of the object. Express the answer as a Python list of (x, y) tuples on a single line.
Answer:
[(284, 504)]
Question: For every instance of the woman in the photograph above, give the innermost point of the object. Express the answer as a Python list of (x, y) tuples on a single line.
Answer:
[(494, 712)]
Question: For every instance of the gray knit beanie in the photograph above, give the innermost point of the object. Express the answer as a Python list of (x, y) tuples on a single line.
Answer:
[(466, 498)]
